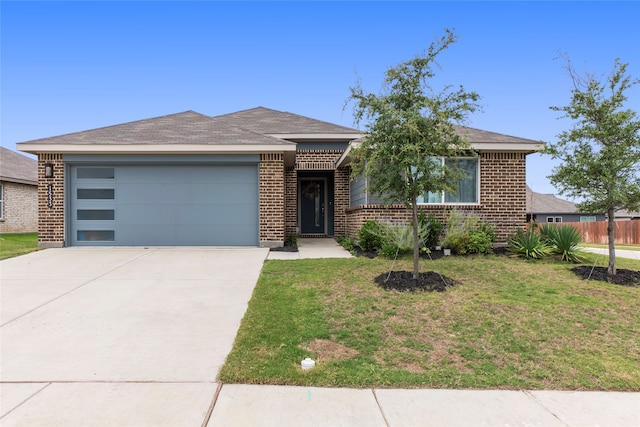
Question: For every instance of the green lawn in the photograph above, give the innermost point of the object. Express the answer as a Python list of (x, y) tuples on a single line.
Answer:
[(510, 324), (17, 244)]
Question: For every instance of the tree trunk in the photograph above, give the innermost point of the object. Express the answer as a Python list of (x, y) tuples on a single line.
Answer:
[(612, 244), (416, 239)]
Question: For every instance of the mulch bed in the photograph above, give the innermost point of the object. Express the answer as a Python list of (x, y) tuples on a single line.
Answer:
[(403, 281), (623, 277)]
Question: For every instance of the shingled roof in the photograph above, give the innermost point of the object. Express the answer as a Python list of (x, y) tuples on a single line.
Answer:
[(267, 121), (15, 167), (476, 136), (548, 203), (188, 127)]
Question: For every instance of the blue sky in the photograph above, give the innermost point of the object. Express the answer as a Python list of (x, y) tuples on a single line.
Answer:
[(73, 66)]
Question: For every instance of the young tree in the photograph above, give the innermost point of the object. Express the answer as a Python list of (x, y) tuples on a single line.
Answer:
[(600, 154), (408, 129)]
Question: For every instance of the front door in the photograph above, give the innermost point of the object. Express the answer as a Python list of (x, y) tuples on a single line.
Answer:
[(312, 206)]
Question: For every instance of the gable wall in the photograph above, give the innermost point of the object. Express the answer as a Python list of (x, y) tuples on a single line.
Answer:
[(19, 208)]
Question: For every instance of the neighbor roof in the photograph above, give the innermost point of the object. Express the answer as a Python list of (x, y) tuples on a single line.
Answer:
[(272, 122), (548, 203), (15, 167), (188, 127)]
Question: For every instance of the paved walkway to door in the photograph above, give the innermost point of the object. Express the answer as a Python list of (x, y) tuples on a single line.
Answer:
[(119, 336)]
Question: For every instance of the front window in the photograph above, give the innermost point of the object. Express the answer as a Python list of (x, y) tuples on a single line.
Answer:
[(1, 201), (467, 191)]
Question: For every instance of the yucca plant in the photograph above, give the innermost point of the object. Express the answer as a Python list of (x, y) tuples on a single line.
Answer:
[(529, 244), (565, 240)]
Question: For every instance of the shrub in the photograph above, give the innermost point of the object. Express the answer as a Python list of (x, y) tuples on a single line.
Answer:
[(480, 242), (467, 234), (430, 230), (291, 240), (346, 242), (396, 239), (370, 236), (529, 244)]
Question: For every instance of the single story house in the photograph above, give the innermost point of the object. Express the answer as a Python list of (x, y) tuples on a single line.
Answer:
[(549, 208), (246, 178), (18, 193)]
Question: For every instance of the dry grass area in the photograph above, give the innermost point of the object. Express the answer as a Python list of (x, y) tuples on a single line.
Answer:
[(509, 324)]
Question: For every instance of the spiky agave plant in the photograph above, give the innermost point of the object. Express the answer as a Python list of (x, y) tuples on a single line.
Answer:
[(565, 240), (528, 243)]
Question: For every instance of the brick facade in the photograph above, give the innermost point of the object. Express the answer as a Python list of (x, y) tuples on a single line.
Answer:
[(502, 199), (51, 205), (19, 208), (272, 200)]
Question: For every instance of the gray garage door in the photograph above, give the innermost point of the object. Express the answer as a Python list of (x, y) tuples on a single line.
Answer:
[(160, 205)]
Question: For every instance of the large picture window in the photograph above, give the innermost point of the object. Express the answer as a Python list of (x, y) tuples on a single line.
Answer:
[(467, 191)]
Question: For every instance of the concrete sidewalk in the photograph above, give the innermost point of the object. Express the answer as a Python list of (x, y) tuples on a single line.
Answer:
[(620, 253), (313, 248), (251, 405)]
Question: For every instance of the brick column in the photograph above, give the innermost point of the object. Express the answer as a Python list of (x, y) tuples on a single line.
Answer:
[(51, 202), (291, 201), (272, 200), (341, 200)]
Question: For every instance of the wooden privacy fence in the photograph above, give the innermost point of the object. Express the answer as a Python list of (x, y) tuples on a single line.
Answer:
[(626, 232)]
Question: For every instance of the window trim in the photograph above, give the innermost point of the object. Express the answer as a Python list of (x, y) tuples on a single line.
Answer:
[(1, 202), (445, 203)]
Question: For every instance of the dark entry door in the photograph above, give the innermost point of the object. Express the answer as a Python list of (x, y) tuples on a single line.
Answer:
[(312, 206)]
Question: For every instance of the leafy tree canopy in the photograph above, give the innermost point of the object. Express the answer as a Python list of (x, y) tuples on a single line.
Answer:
[(600, 154), (409, 125)]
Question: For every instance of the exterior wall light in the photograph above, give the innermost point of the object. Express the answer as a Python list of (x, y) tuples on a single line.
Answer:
[(48, 170)]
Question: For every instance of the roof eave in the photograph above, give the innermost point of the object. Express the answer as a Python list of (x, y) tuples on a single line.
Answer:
[(35, 148), (525, 147), (317, 136), (18, 180)]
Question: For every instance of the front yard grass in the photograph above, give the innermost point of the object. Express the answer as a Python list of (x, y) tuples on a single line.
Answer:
[(12, 245), (509, 324)]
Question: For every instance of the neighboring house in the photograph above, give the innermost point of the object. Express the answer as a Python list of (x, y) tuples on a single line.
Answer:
[(625, 215), (548, 208), (18, 193), (245, 178)]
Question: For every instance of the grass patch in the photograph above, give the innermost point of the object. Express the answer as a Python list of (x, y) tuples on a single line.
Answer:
[(12, 245), (509, 324)]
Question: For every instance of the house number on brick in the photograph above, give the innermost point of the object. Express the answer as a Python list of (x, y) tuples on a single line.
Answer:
[(50, 195)]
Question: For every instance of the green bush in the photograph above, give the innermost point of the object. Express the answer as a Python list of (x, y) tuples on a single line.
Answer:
[(430, 230), (291, 240), (465, 233), (396, 239), (370, 236), (480, 242), (528, 243), (346, 242)]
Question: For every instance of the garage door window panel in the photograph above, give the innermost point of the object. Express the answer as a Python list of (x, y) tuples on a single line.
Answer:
[(95, 215), (95, 173), (96, 235)]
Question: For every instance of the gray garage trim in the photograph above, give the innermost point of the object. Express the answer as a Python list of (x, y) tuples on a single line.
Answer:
[(176, 201)]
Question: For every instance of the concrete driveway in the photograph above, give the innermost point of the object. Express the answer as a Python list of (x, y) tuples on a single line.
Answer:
[(119, 336)]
